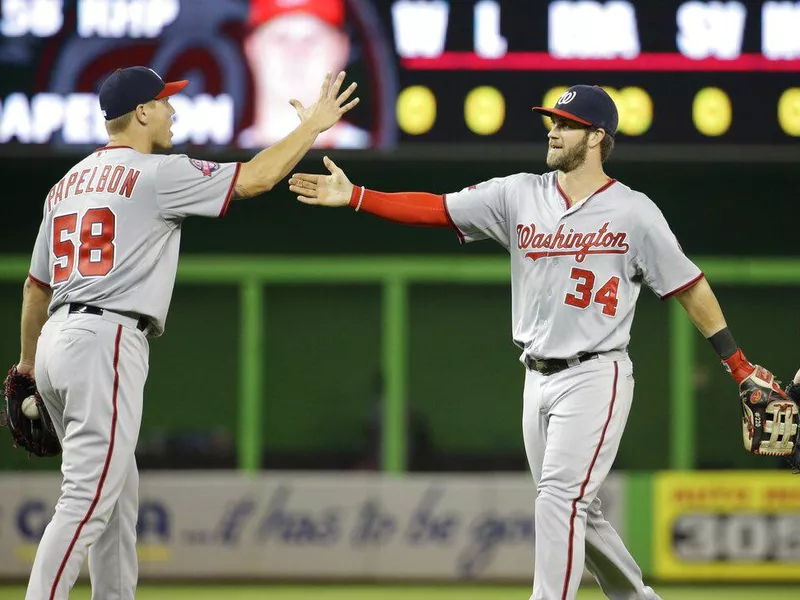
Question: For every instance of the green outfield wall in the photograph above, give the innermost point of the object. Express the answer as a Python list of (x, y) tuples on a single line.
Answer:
[(294, 365)]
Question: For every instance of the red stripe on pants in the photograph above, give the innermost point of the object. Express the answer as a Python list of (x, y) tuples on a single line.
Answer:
[(107, 463), (586, 482)]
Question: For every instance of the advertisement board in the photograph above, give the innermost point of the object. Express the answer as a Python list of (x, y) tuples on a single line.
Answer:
[(219, 525), (726, 526)]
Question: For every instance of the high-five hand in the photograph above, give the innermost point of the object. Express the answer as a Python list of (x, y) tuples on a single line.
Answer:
[(330, 106), (323, 190)]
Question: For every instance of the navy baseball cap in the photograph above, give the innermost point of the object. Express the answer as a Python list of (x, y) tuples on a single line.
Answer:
[(125, 89), (586, 104)]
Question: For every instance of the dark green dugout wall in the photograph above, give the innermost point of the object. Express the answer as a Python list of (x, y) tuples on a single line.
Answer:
[(714, 208), (322, 387)]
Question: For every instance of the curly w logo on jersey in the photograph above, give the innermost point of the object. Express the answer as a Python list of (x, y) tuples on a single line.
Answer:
[(573, 243)]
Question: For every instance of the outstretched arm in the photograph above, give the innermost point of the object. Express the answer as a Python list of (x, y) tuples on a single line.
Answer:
[(769, 415), (409, 208), (268, 167), (703, 309)]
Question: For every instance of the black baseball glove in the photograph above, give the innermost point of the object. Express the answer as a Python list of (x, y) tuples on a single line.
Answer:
[(36, 435)]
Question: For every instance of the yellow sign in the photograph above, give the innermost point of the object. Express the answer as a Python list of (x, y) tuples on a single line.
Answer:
[(712, 112), (711, 526), (635, 110), (485, 110), (789, 112), (416, 110)]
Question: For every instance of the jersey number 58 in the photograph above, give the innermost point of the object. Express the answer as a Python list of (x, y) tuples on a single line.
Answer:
[(95, 251), (605, 296)]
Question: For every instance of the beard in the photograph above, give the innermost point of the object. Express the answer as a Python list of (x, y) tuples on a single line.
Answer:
[(571, 159)]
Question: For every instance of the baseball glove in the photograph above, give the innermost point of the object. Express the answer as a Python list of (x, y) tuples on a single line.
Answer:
[(37, 436), (770, 417)]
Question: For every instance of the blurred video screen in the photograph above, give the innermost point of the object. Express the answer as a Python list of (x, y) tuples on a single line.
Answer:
[(455, 72)]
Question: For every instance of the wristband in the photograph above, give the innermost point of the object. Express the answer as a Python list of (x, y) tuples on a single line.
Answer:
[(724, 344), (360, 198)]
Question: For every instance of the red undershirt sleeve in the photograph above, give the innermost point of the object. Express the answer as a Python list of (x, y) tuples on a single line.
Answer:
[(409, 208)]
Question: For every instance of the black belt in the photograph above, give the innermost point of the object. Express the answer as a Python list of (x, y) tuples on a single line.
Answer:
[(141, 324), (549, 366)]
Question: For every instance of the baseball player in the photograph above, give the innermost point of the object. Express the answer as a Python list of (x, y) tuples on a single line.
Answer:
[(581, 243), (289, 46), (100, 283)]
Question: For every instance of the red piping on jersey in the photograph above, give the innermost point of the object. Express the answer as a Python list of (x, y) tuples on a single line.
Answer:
[(683, 288), (586, 482), (38, 281), (564, 196), (461, 237), (229, 197), (602, 188), (113, 148), (106, 465)]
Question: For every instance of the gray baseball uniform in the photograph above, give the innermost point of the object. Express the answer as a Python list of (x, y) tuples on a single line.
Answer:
[(109, 240), (576, 273)]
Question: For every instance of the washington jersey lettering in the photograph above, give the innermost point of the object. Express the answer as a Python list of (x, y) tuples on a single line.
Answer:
[(576, 272)]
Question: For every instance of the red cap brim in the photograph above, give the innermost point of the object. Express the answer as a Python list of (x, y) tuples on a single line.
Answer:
[(172, 88), (549, 112)]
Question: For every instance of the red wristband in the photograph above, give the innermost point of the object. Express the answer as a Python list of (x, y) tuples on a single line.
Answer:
[(356, 196)]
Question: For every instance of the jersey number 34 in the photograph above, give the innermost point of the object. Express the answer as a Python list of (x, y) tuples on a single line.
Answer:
[(606, 296), (95, 251)]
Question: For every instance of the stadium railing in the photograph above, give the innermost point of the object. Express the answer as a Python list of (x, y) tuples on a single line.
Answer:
[(253, 274)]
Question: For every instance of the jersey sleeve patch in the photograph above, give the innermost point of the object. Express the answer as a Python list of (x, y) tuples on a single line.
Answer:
[(206, 167)]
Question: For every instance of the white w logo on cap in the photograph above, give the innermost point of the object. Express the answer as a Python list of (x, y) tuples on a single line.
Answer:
[(566, 98)]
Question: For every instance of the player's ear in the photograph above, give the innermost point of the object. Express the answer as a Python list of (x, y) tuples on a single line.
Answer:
[(596, 137), (141, 113)]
